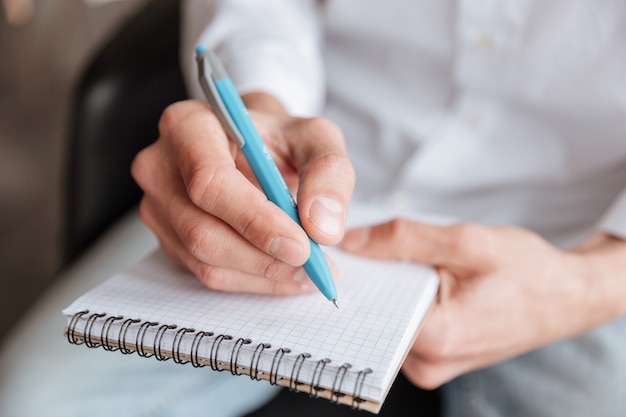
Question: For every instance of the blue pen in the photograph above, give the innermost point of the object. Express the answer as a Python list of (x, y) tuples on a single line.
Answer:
[(229, 108)]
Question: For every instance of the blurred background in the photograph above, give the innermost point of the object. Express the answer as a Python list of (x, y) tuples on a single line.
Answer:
[(44, 45)]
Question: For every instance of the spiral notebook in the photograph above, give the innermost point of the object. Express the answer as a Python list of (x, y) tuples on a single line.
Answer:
[(349, 355)]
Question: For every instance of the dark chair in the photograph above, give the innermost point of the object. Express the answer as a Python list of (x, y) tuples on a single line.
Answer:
[(116, 108), (115, 112)]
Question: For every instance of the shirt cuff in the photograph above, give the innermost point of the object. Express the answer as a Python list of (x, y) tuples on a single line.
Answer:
[(614, 221)]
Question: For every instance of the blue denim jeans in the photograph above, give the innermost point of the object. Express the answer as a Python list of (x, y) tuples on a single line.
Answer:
[(581, 377)]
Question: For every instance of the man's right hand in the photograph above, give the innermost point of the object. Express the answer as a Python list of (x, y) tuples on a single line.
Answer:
[(205, 207)]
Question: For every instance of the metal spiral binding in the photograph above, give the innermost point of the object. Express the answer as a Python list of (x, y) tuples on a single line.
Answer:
[(71, 328), (141, 334), (336, 393), (195, 345), (87, 333), (358, 386), (121, 337), (104, 333), (158, 344), (234, 354), (315, 385), (124, 345), (293, 381), (280, 352), (213, 359), (256, 356), (178, 337)]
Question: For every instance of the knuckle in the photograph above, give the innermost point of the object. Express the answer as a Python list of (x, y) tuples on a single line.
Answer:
[(203, 184), (323, 127), (274, 287), (339, 165), (196, 239), (272, 269), (140, 167), (212, 277), (398, 230), (253, 227), (467, 238), (331, 160), (170, 117), (182, 118)]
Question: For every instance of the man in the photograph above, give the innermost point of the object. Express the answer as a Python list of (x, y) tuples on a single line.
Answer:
[(509, 117)]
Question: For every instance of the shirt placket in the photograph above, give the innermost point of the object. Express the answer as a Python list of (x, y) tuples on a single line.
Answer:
[(488, 34)]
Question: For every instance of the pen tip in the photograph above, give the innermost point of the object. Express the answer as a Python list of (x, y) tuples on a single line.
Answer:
[(335, 303)]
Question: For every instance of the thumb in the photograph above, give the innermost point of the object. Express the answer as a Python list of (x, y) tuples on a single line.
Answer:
[(457, 246), (326, 177)]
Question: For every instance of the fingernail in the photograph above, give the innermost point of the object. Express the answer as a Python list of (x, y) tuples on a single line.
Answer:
[(356, 239), (300, 276), (328, 215), (288, 250)]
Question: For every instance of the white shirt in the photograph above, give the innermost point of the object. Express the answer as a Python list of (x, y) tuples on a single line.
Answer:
[(489, 111)]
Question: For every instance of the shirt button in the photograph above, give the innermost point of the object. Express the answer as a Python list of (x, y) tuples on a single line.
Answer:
[(483, 41), (472, 119), (400, 199)]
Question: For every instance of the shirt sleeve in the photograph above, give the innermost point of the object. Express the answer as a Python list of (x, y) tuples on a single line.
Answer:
[(265, 45), (614, 221)]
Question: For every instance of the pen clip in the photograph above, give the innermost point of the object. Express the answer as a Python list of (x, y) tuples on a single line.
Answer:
[(210, 70)]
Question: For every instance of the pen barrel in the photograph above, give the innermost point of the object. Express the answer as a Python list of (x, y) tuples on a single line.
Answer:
[(256, 153), (272, 182), (318, 270)]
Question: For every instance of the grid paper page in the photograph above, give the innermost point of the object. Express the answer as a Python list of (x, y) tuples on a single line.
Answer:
[(381, 306)]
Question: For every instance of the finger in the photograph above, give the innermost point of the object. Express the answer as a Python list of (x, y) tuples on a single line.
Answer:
[(463, 246), (288, 279), (184, 229), (213, 242), (191, 235), (215, 185), (147, 214), (326, 177), (235, 280), (228, 279)]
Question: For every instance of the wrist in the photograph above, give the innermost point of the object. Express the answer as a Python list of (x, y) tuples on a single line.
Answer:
[(602, 264)]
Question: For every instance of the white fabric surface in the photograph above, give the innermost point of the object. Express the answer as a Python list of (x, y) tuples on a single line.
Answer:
[(498, 112)]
